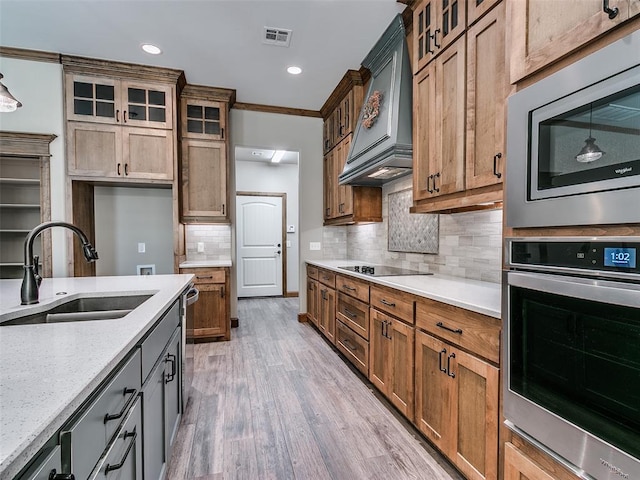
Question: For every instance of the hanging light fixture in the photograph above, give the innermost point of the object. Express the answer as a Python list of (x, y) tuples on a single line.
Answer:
[(8, 103), (590, 152)]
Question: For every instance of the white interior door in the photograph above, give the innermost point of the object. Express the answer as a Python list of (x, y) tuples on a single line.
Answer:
[(259, 245)]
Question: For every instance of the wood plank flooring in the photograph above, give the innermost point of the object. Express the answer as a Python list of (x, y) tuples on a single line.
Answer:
[(277, 402)]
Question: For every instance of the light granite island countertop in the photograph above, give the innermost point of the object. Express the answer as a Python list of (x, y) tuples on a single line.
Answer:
[(48, 370), (477, 296)]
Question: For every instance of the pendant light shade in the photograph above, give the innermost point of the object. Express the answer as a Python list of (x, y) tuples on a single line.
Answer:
[(8, 103), (590, 152)]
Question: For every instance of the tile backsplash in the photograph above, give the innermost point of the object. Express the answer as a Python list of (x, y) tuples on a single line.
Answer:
[(216, 240), (470, 243)]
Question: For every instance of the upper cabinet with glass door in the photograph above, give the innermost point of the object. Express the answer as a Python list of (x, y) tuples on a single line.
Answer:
[(203, 119), (109, 100)]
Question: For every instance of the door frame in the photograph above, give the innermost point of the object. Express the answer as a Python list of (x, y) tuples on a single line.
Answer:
[(283, 233)]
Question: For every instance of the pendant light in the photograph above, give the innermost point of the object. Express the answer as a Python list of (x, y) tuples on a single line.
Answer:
[(8, 103), (590, 152)]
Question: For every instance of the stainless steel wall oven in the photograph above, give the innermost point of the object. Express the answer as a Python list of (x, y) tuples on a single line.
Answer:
[(572, 351), (573, 143)]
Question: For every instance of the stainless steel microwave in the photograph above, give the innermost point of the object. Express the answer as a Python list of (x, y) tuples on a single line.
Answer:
[(573, 143)]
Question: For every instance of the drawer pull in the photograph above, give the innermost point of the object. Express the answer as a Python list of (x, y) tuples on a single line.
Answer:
[(388, 304), (347, 287), (348, 312), (127, 391), (202, 277), (443, 326), (170, 376), (349, 345), (133, 435)]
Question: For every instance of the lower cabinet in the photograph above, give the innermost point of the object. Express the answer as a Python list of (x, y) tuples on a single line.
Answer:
[(47, 464), (457, 405), (327, 316), (211, 313), (517, 466), (313, 304), (391, 360)]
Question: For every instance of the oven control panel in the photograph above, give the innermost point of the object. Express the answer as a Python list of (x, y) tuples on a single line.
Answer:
[(620, 255)]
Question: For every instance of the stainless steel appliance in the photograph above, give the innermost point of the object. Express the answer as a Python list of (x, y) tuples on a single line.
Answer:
[(189, 297), (573, 142), (571, 311), (382, 270)]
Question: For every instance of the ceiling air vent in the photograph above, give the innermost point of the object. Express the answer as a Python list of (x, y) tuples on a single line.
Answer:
[(276, 36)]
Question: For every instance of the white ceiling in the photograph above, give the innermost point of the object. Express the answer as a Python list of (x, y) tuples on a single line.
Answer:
[(216, 42)]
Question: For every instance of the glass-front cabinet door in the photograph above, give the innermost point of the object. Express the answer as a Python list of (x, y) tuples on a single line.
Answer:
[(203, 119), (147, 105)]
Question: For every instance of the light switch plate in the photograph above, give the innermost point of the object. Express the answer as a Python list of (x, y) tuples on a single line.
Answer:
[(288, 243), (314, 245), (200, 247), (141, 247)]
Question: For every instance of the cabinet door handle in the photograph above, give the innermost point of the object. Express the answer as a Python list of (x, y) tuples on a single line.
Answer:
[(54, 475), (117, 115), (427, 41), (349, 313), (436, 189), (114, 416), (382, 324), (429, 189), (440, 367), (612, 12), (133, 435), (388, 304), (203, 277), (170, 376), (223, 209), (126, 169), (449, 372), (222, 133), (435, 38), (118, 169), (495, 165), (388, 322), (222, 292), (124, 116), (444, 327)]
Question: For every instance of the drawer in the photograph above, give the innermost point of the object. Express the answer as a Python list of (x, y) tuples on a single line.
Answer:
[(354, 287), (85, 440), (206, 275), (353, 313), (355, 348), (154, 344), (312, 272), (327, 277), (472, 331), (394, 302), (124, 457)]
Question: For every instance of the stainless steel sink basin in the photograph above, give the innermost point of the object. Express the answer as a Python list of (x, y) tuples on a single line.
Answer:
[(80, 309)]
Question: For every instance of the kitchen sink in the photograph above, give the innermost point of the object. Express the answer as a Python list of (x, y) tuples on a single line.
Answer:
[(81, 309)]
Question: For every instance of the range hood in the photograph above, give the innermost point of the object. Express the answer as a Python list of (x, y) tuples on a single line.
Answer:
[(382, 148)]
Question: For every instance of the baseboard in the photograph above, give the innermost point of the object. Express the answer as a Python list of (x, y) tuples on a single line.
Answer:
[(234, 322), (302, 317), (291, 294)]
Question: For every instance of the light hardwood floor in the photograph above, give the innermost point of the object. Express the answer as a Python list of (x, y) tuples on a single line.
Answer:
[(277, 402)]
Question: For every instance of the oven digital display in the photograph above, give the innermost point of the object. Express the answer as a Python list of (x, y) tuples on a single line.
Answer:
[(620, 257)]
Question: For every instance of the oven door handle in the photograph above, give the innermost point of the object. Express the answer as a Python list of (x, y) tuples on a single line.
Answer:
[(192, 296), (601, 291)]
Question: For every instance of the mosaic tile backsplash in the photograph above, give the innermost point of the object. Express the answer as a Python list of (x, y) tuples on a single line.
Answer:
[(470, 244), (407, 232)]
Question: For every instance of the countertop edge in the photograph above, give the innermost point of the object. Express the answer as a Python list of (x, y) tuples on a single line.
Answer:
[(386, 282)]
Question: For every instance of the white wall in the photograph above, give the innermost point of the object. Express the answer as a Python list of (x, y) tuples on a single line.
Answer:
[(276, 178), (286, 132), (39, 86), (126, 216)]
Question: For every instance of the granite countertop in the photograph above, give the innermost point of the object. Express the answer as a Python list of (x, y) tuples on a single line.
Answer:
[(205, 263), (474, 295), (48, 370)]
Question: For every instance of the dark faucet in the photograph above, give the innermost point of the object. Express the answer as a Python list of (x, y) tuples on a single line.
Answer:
[(32, 279)]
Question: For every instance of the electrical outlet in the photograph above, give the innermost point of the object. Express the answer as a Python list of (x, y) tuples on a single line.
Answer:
[(288, 243), (314, 246), (200, 247), (141, 247)]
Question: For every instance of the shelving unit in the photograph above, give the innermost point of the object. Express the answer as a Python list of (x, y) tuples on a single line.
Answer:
[(24, 199)]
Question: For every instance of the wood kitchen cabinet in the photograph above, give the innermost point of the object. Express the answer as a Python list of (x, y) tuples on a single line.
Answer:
[(517, 465), (459, 120), (325, 303), (457, 405), (436, 24), (204, 167), (120, 120), (313, 302), (211, 313), (542, 33)]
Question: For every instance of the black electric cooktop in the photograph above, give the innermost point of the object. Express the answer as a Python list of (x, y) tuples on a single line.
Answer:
[(382, 270)]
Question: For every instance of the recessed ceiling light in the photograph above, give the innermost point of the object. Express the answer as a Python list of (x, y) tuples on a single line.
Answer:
[(294, 70), (152, 49)]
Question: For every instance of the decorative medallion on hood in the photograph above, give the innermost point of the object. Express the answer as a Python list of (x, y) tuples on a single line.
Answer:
[(382, 147)]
